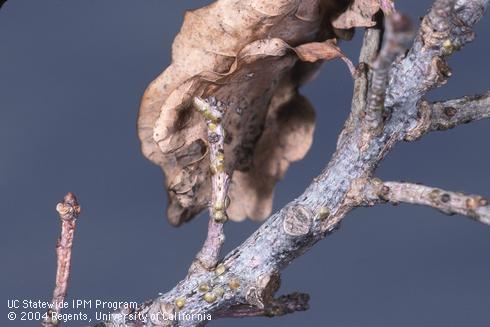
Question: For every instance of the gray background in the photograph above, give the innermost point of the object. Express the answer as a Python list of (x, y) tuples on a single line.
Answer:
[(71, 77)]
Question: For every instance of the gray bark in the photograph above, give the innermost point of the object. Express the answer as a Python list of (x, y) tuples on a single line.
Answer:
[(246, 285)]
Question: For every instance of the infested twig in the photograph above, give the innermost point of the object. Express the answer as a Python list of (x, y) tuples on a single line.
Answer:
[(293, 230), (213, 113), (475, 207), (68, 210), (397, 37)]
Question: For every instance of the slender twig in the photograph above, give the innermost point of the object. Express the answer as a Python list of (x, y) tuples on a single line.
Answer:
[(213, 113), (369, 50), (475, 207), (449, 114), (440, 116), (397, 37), (68, 210)]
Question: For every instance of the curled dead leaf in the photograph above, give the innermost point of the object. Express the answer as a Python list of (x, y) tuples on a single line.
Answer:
[(247, 54)]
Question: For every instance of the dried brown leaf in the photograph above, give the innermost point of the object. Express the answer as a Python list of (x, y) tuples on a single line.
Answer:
[(246, 54), (318, 50), (326, 50)]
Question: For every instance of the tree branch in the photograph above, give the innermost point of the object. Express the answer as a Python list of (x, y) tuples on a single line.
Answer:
[(449, 114), (249, 274), (444, 30), (441, 116), (369, 51), (473, 206), (68, 210)]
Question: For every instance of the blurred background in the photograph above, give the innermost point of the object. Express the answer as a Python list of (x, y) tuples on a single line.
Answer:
[(71, 77)]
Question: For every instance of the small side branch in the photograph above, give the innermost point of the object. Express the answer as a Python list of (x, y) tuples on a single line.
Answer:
[(285, 304), (398, 35), (369, 50), (444, 115), (68, 210), (213, 113), (449, 114), (475, 207)]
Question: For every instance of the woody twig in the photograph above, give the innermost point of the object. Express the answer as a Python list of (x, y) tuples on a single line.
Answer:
[(68, 210), (213, 113)]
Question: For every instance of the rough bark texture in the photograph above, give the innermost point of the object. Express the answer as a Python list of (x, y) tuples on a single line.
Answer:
[(248, 277)]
